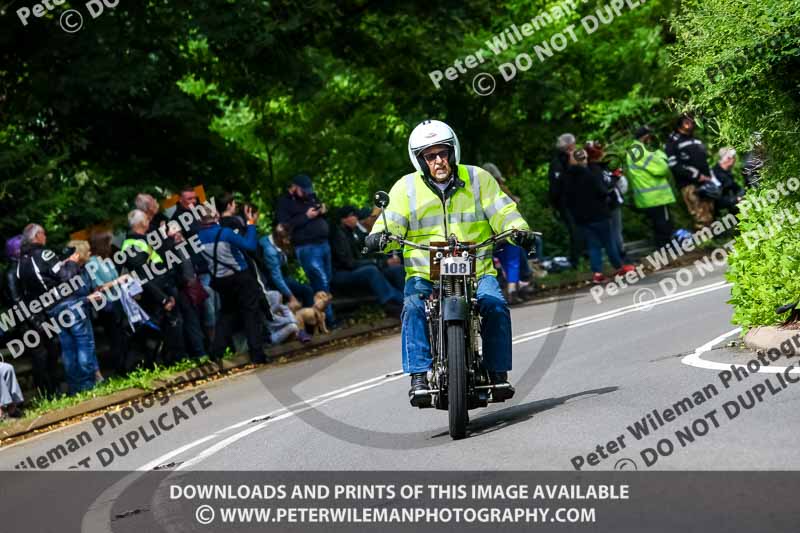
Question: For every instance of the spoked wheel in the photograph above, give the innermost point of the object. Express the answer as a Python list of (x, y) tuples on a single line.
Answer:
[(457, 380)]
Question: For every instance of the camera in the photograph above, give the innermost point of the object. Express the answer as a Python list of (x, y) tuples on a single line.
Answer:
[(315, 203)]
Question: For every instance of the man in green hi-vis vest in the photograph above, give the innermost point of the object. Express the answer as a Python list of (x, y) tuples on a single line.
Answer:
[(648, 172), (443, 197)]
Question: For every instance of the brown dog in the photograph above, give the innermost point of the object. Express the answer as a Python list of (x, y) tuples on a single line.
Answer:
[(314, 316)]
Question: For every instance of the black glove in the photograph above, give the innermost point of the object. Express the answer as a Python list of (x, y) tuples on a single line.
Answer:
[(525, 240), (376, 242)]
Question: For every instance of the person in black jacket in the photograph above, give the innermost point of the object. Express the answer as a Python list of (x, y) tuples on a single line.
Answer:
[(301, 210), (352, 270), (44, 356), (558, 194), (43, 276), (688, 161), (187, 203), (617, 185), (732, 192), (185, 274), (11, 290), (159, 286), (587, 194)]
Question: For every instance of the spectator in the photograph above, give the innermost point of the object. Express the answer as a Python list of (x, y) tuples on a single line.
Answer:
[(587, 196), (283, 325), (205, 315), (303, 213), (148, 204), (11, 294), (513, 259), (366, 219), (754, 161), (187, 204), (274, 248), (228, 208), (41, 271), (732, 192), (160, 292), (190, 295), (617, 187), (84, 252), (351, 270), (237, 287), (558, 200), (44, 357), (230, 218), (652, 192), (112, 317), (10, 393), (390, 264), (688, 160)]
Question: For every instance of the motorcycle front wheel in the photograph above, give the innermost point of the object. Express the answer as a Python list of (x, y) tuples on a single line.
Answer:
[(457, 380)]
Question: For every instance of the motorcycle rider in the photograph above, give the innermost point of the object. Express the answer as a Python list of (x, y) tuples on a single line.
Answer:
[(441, 198)]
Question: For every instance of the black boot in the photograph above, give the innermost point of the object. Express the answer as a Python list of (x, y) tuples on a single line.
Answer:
[(419, 382), (504, 393)]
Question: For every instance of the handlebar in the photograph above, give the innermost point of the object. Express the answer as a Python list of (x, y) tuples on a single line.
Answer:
[(460, 247)]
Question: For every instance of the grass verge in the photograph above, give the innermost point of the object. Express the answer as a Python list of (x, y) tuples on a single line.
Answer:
[(142, 378)]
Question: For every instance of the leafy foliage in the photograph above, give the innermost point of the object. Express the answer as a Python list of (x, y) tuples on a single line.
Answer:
[(242, 94), (742, 78)]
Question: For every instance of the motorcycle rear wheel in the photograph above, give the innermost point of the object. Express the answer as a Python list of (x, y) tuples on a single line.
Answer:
[(457, 380)]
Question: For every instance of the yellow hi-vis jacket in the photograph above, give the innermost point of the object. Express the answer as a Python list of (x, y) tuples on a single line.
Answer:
[(474, 209)]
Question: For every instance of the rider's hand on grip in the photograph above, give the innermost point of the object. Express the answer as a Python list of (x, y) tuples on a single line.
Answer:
[(525, 240), (376, 242)]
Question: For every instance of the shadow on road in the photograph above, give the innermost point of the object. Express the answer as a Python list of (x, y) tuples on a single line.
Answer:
[(521, 413)]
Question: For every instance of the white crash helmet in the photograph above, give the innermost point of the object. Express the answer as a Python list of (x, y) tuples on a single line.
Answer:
[(430, 133)]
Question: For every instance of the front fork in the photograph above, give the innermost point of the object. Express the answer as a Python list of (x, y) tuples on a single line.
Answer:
[(464, 308)]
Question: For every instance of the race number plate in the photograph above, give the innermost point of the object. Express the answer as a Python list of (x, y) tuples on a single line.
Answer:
[(456, 266)]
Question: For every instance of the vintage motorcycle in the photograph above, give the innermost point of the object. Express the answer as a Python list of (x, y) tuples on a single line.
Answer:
[(458, 380)]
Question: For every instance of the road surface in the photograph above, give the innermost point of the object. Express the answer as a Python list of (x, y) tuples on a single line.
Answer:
[(589, 377)]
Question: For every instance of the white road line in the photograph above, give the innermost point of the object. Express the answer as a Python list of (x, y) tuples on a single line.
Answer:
[(347, 391), (694, 359), (237, 436), (314, 399), (98, 517), (525, 337)]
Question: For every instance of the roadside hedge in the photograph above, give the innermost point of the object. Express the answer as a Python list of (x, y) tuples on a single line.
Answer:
[(737, 63)]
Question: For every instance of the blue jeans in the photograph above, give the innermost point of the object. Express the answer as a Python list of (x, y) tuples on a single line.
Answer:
[(496, 326), (510, 257), (598, 236), (211, 304), (371, 276), (77, 345), (616, 230), (316, 262), (396, 275)]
